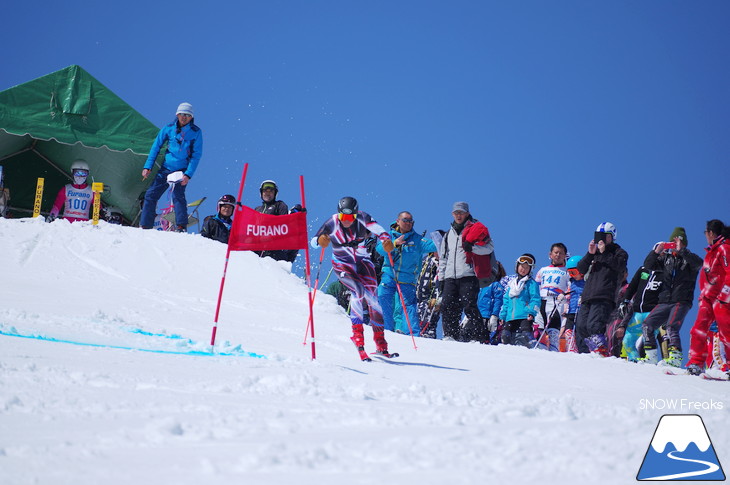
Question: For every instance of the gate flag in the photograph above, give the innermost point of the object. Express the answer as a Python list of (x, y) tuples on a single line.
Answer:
[(254, 231)]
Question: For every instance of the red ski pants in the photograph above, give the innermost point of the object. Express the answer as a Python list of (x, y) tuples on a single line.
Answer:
[(708, 313)]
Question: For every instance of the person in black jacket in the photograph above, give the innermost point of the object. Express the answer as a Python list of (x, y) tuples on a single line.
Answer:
[(681, 267), (604, 266), (269, 190), (218, 227)]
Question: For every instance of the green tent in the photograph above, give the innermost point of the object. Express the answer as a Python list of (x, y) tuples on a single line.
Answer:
[(48, 123)]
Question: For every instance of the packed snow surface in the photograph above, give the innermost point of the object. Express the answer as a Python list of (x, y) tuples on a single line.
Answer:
[(107, 377)]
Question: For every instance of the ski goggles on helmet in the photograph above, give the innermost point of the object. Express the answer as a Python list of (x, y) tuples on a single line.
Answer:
[(268, 187), (526, 260), (346, 217), (80, 173), (573, 272)]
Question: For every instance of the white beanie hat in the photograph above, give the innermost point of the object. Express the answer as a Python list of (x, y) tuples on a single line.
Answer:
[(185, 108)]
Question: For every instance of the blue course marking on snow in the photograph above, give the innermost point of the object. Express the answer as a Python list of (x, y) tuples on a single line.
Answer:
[(233, 353)]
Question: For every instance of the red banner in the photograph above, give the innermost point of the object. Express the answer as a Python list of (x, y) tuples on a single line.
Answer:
[(254, 231)]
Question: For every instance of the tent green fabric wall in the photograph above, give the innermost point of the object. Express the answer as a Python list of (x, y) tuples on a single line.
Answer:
[(48, 123)]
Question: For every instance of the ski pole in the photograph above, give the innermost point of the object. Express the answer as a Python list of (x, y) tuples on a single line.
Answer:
[(316, 283), (402, 302)]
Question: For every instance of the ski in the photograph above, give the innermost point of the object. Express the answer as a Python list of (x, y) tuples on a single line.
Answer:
[(713, 378), (676, 371), (389, 355)]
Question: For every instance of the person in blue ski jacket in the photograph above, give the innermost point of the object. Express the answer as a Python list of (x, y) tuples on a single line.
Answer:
[(410, 250), (520, 304), (184, 141), (490, 301)]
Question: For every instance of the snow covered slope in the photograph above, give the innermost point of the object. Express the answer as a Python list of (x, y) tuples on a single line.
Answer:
[(106, 377)]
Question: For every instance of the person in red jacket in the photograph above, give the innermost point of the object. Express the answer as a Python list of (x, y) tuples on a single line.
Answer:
[(75, 199), (714, 296)]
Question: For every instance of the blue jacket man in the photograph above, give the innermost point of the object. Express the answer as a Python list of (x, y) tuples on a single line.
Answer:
[(410, 250), (184, 141)]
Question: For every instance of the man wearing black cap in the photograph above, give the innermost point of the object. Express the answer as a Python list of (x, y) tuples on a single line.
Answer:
[(458, 278), (681, 267)]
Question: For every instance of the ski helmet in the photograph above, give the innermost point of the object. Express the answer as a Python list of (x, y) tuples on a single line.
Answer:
[(227, 199), (347, 205), (269, 184), (80, 165), (525, 258), (573, 262), (607, 227)]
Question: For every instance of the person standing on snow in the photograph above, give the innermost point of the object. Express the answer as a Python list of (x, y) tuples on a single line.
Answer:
[(75, 199), (410, 249), (606, 262), (218, 227), (459, 257), (184, 141), (347, 231), (268, 191), (681, 267), (714, 297)]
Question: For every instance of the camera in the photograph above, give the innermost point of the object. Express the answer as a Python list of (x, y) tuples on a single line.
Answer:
[(670, 245), (599, 236)]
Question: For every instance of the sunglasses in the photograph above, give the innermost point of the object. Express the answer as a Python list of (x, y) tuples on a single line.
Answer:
[(407, 221), (346, 217), (185, 115), (81, 173), (526, 260)]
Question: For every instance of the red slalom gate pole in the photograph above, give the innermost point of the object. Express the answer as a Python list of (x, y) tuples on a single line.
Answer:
[(225, 266), (402, 302), (316, 286), (309, 274)]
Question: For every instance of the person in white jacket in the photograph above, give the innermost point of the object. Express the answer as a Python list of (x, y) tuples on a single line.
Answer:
[(457, 276)]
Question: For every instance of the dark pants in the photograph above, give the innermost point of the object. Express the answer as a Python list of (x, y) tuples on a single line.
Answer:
[(670, 315), (153, 194), (460, 294), (592, 319)]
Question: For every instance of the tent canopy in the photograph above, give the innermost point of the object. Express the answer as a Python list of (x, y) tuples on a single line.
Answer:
[(48, 123)]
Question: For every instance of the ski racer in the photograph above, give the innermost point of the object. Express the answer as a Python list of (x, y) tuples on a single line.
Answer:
[(553, 281), (347, 231), (76, 199)]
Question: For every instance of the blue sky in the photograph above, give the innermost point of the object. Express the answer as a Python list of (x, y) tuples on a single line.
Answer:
[(547, 117)]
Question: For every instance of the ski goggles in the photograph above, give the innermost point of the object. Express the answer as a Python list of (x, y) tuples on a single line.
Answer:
[(346, 217), (268, 187), (81, 173), (526, 260), (573, 272)]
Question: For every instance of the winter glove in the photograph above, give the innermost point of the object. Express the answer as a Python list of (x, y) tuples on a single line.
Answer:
[(297, 208), (623, 309), (467, 246), (323, 240), (388, 245), (493, 323), (51, 218)]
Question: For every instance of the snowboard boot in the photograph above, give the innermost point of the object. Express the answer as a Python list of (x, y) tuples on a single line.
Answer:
[(597, 344), (506, 336), (357, 335), (651, 357), (674, 359)]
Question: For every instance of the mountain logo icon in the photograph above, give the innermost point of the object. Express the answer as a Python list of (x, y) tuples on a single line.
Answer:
[(681, 450)]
